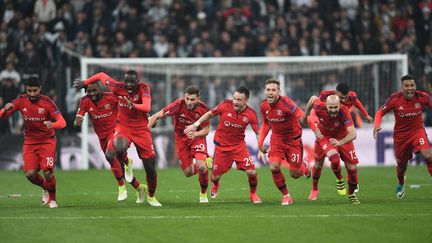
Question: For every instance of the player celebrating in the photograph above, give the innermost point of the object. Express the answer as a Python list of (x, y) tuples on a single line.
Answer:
[(41, 116), (235, 115), (186, 111), (334, 130), (347, 98), (102, 108), (409, 134), (281, 114), (134, 105)]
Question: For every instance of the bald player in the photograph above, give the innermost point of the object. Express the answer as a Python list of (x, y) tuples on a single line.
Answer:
[(334, 130)]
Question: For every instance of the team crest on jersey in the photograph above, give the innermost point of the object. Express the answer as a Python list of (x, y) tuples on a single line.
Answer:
[(229, 114), (417, 105), (182, 115), (245, 119), (267, 112), (279, 112), (107, 107), (41, 110), (25, 109)]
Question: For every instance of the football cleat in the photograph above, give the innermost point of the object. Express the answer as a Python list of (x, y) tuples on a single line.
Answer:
[(214, 190), (128, 173), (313, 195), (400, 190), (152, 201), (340, 187), (122, 193), (209, 163), (287, 200), (353, 199), (254, 198), (45, 197), (203, 198), (53, 204), (140, 192), (357, 189)]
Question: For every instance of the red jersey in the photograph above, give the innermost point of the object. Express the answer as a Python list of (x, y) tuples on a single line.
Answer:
[(126, 115), (103, 113), (183, 116), (283, 117), (332, 127), (230, 133), (351, 100), (408, 113), (34, 115)]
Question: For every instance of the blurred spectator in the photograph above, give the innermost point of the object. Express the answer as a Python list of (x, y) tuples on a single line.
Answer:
[(45, 10), (10, 74)]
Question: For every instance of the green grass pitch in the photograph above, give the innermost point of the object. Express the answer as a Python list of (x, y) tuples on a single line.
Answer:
[(89, 212)]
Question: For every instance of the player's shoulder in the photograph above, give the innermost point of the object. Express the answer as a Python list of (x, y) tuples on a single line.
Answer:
[(422, 94), (47, 100), (22, 97), (203, 105), (251, 110), (352, 95), (396, 95), (319, 105), (286, 101), (85, 99), (264, 102), (108, 94), (144, 85), (324, 93)]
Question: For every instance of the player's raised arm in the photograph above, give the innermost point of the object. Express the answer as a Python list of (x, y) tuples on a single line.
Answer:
[(361, 108), (7, 110), (303, 118), (152, 121)]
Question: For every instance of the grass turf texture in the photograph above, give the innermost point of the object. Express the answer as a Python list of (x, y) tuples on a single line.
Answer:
[(89, 211)]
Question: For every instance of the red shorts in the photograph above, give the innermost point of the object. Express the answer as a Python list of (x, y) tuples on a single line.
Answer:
[(223, 160), (347, 151), (406, 146), (40, 156), (107, 144), (141, 137), (188, 149), (291, 152)]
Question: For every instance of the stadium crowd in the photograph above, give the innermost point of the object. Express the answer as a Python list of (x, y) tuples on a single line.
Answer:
[(34, 34)]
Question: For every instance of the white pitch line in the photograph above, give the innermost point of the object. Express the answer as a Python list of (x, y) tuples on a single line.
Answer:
[(210, 216)]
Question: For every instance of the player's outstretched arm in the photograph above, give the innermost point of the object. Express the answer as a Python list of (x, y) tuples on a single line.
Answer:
[(59, 123), (303, 118), (377, 125), (361, 108), (7, 110), (152, 120), (201, 133), (192, 128)]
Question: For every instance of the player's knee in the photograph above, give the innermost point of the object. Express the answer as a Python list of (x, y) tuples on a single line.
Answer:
[(215, 178), (202, 168), (251, 173), (188, 172), (274, 166), (319, 163), (120, 145), (427, 156), (30, 173), (110, 156), (295, 173), (48, 173)]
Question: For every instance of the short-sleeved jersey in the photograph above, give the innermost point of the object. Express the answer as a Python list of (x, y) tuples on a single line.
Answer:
[(103, 113), (332, 127), (282, 117), (349, 102), (34, 115), (230, 132), (408, 113), (126, 115), (183, 116)]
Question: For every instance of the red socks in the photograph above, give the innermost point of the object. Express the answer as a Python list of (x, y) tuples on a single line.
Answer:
[(51, 188), (152, 183), (117, 171), (253, 182), (316, 174), (352, 180), (335, 165), (203, 180), (279, 181)]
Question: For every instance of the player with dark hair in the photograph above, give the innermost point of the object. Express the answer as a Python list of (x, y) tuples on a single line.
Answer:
[(185, 111), (102, 109), (235, 116), (41, 117), (409, 134), (281, 114), (347, 98), (334, 130), (134, 103)]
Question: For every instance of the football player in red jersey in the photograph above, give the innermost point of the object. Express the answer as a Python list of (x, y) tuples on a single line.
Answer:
[(235, 116), (334, 130), (409, 134), (134, 104), (282, 115), (186, 111), (41, 117), (347, 98), (102, 109)]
